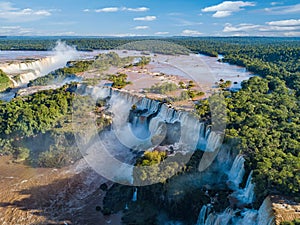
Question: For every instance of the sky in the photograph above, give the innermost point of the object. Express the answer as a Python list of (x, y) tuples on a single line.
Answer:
[(149, 18)]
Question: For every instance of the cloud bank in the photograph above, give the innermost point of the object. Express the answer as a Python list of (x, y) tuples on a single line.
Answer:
[(226, 8), (12, 14)]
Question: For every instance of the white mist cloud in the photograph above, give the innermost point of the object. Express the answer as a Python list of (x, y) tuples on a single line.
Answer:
[(292, 34), (273, 28), (190, 33), (276, 3), (291, 22), (162, 33), (241, 27), (108, 9), (15, 31), (281, 10), (140, 9), (146, 18), (118, 9), (226, 8), (13, 14), (141, 27)]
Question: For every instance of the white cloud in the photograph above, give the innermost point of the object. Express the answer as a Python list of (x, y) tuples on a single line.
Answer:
[(292, 34), (274, 28), (276, 3), (161, 33), (146, 18), (190, 33), (278, 28), (183, 23), (290, 22), (141, 9), (13, 14), (117, 9), (7, 6), (121, 35), (226, 8), (283, 9), (175, 14), (108, 9), (241, 27), (15, 31), (86, 10), (141, 27), (62, 23)]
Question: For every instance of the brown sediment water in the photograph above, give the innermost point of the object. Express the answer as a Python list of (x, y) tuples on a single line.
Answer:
[(50, 196)]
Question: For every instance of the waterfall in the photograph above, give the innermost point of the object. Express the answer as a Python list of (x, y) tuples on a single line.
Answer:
[(148, 127), (249, 217), (249, 190), (265, 213), (202, 141), (190, 129), (229, 216), (240, 197), (134, 197), (210, 219), (207, 132), (27, 71), (237, 171), (220, 219), (205, 210), (120, 107), (214, 141)]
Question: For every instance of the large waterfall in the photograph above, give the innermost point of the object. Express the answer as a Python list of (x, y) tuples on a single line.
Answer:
[(141, 123), (21, 73)]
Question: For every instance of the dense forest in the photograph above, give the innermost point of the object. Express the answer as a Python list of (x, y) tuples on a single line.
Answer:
[(263, 117)]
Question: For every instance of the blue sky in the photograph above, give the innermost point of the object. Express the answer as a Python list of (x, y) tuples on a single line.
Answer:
[(150, 17)]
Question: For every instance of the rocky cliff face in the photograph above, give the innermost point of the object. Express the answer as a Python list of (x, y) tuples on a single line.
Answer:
[(285, 209)]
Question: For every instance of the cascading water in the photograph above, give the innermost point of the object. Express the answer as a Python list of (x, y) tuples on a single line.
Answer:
[(246, 195), (237, 172), (22, 73), (134, 197), (240, 197), (249, 217), (265, 213), (147, 128), (204, 212), (214, 141)]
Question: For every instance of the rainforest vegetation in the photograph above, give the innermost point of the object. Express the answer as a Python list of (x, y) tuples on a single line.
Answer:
[(39, 127)]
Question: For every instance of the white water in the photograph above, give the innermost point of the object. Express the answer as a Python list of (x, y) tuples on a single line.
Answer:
[(204, 212), (149, 129), (245, 195), (241, 195), (27, 71), (134, 197), (237, 172)]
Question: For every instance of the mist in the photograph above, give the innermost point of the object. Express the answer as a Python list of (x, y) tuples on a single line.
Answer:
[(27, 71)]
